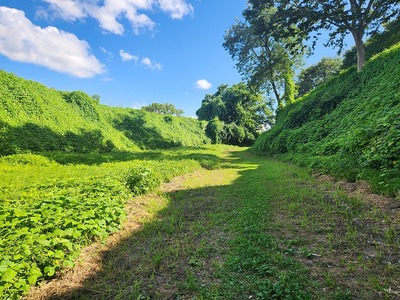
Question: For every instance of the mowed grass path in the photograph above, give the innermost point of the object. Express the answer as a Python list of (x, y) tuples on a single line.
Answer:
[(253, 228)]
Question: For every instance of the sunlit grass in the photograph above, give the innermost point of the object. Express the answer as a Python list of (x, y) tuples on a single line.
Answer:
[(233, 226)]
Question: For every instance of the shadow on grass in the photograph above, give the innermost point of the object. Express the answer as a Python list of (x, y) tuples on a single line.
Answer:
[(253, 229), (32, 137), (206, 160), (172, 254), (205, 243)]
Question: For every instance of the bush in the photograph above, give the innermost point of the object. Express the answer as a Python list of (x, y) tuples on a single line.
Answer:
[(215, 131), (142, 180), (26, 159)]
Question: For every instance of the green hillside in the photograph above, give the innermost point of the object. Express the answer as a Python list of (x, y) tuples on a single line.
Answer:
[(348, 127), (36, 118)]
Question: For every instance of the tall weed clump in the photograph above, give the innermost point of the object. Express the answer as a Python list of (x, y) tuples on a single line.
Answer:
[(349, 127)]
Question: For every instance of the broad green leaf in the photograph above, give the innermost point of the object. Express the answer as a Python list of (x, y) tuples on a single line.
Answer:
[(9, 275), (69, 263), (49, 270), (34, 274)]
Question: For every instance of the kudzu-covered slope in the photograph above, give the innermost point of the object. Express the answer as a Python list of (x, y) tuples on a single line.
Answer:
[(36, 118), (349, 127)]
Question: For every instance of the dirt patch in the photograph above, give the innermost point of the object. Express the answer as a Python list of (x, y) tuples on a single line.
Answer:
[(347, 237), (361, 189)]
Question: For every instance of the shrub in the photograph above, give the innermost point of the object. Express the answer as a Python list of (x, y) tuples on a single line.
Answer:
[(142, 180)]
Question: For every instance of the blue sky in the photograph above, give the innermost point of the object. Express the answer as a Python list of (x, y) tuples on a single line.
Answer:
[(130, 52)]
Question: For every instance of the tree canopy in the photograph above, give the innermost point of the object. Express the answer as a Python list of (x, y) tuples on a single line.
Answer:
[(261, 58), (304, 19), (236, 115), (164, 109)]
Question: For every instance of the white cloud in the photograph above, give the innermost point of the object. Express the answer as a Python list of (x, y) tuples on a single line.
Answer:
[(176, 8), (153, 65), (125, 56), (108, 13), (203, 84), (145, 61), (107, 79), (69, 9), (108, 54), (50, 47)]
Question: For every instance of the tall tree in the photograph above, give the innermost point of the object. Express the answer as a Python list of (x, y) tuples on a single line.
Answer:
[(378, 42), (262, 60), (340, 17)]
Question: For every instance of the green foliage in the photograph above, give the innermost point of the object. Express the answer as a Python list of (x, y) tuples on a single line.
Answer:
[(290, 88), (163, 108), (155, 131), (43, 226), (49, 211), (348, 126), (235, 114), (26, 159), (86, 105), (318, 74), (35, 118), (215, 130), (261, 58), (142, 180), (377, 43)]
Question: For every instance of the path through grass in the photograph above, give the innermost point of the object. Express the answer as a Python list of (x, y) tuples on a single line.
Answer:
[(253, 228)]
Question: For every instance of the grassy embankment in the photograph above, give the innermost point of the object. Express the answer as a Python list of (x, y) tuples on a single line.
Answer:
[(248, 228), (348, 127), (35, 118)]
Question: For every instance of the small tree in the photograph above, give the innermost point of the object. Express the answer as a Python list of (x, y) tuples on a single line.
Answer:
[(317, 74), (97, 98), (163, 108)]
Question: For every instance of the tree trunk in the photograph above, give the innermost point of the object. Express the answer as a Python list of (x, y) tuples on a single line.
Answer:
[(358, 38), (278, 98)]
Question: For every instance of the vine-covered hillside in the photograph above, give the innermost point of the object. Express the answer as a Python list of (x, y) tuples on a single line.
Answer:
[(36, 118), (349, 127)]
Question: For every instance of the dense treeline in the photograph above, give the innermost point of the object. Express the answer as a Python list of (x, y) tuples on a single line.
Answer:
[(236, 115), (36, 118), (349, 127)]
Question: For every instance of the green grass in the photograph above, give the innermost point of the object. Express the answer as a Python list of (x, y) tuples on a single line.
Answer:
[(49, 211), (252, 228), (239, 227)]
